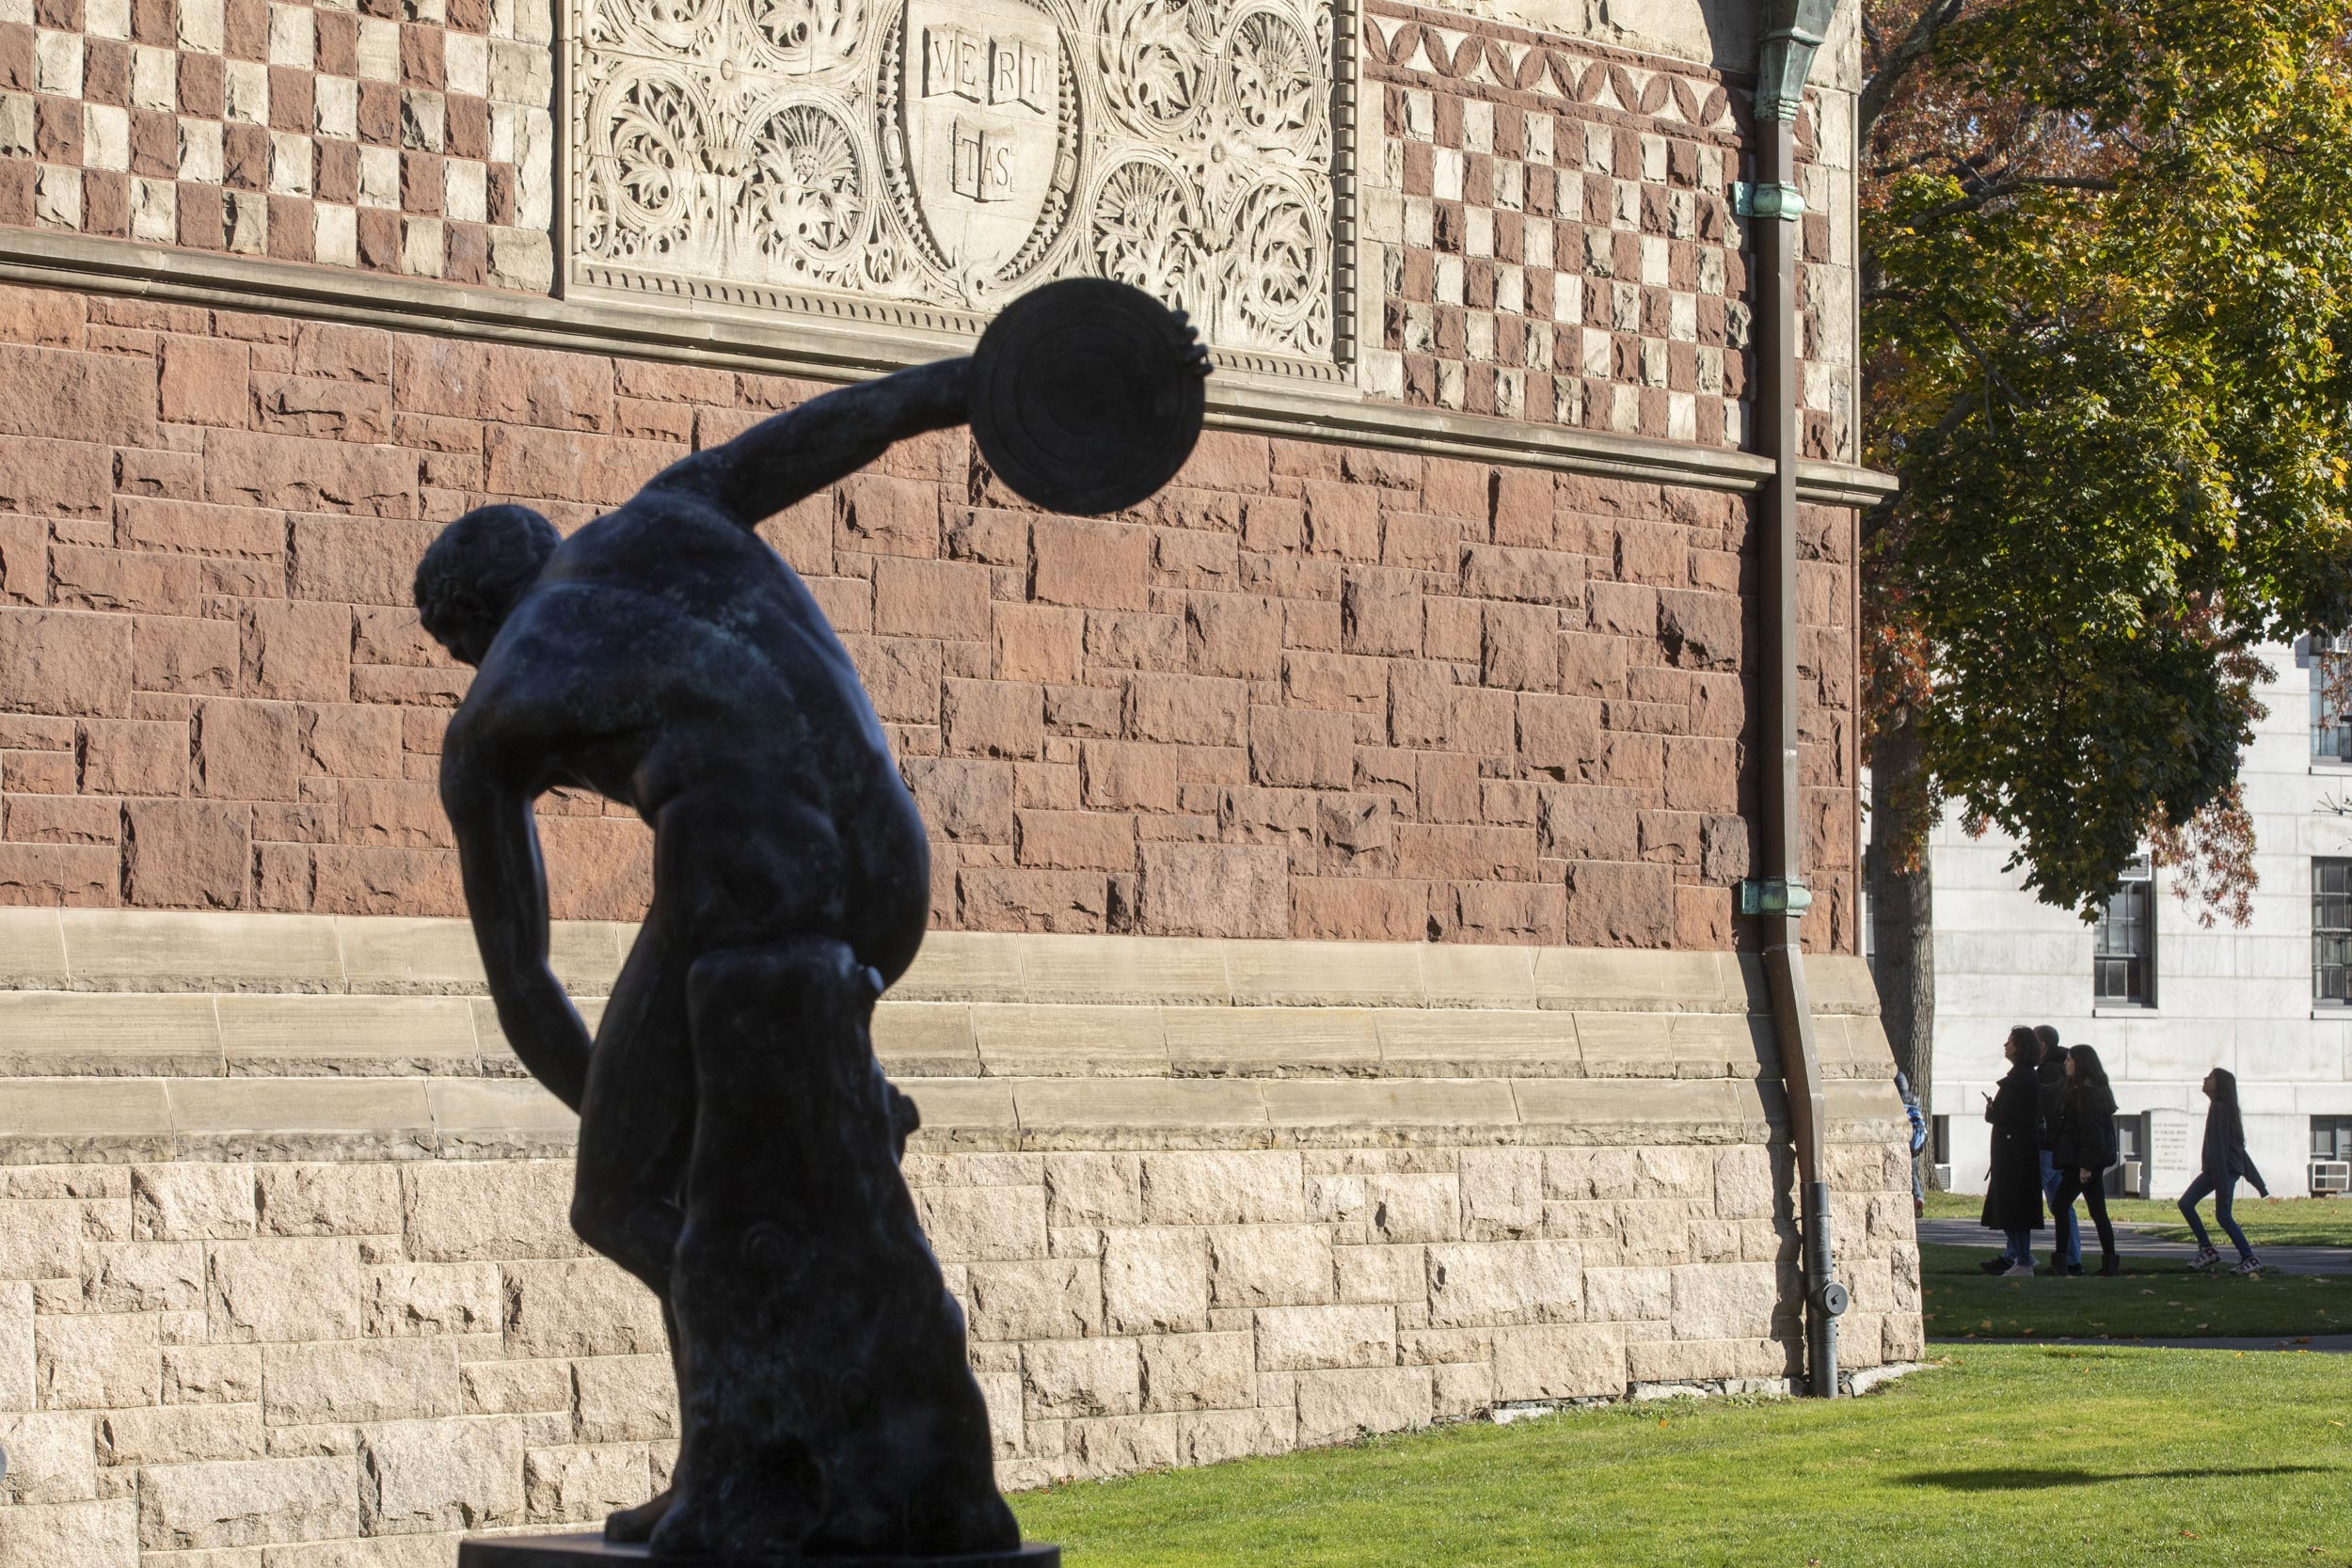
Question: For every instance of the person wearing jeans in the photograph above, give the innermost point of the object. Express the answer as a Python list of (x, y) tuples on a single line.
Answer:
[(2066, 1245), (2225, 1160)]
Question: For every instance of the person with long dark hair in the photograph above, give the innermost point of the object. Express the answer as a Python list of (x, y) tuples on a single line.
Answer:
[(2225, 1160), (2086, 1146), (2013, 1189)]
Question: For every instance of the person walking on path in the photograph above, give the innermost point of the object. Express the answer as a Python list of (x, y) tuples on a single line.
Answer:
[(2066, 1244), (2013, 1193), (2086, 1146), (1918, 1142), (2225, 1161)]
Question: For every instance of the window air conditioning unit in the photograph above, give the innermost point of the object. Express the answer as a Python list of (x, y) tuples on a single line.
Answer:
[(2127, 1179), (1943, 1178), (2331, 1176)]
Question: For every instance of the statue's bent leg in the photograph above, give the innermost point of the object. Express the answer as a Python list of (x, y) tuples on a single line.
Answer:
[(828, 1407)]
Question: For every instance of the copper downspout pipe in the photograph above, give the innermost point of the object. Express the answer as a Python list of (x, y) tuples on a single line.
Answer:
[(1778, 898)]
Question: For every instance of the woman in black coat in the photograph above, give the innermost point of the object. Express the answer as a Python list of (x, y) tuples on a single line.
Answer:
[(2012, 1191), (2086, 1144)]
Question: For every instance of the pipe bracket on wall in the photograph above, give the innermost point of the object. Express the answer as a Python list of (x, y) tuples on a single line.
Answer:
[(1774, 895), (1783, 201)]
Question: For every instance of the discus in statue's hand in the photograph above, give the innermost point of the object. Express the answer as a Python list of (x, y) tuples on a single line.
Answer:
[(1087, 395)]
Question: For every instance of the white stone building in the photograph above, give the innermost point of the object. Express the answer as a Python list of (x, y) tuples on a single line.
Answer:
[(2162, 1000)]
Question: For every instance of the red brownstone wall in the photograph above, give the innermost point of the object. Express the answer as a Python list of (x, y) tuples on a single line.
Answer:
[(1310, 690)]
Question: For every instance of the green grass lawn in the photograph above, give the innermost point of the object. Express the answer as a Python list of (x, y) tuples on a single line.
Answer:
[(2288, 1222), (1997, 1456), (2154, 1301)]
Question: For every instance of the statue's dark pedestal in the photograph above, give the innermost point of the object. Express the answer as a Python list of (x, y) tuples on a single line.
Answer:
[(589, 1549)]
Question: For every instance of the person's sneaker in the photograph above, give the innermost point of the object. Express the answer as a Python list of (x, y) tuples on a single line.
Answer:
[(2019, 1271), (2074, 1268), (2206, 1258), (1994, 1265), (2248, 1265)]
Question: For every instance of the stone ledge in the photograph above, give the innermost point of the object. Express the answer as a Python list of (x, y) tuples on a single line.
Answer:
[(103, 1120), (199, 1035), (137, 951)]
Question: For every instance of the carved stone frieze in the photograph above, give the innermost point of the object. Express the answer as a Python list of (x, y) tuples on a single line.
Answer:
[(917, 162)]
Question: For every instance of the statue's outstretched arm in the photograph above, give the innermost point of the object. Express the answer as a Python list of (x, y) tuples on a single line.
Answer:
[(798, 453), (506, 892)]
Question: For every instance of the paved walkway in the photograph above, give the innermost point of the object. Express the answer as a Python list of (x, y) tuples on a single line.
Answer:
[(2135, 1242)]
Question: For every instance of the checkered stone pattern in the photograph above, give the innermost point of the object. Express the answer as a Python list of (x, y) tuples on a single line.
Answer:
[(1562, 247), (398, 137)]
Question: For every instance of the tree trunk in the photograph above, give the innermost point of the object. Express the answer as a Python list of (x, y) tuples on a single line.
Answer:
[(1901, 889)]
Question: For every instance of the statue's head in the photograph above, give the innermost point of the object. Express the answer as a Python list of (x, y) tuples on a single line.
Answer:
[(472, 575)]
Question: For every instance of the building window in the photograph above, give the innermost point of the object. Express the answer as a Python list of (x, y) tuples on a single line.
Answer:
[(2124, 970), (1939, 1140), (2332, 697), (2331, 930), (2331, 1137)]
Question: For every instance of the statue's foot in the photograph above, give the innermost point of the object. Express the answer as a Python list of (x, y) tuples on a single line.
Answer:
[(633, 1527)]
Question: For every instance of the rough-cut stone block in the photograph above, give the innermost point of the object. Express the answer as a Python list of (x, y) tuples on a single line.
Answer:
[(71, 1535), (430, 1298), (500, 1211), (984, 1224), (65, 662), (1198, 1371), (16, 1358), (1271, 1265), (1155, 1280), (1212, 1436), (579, 1484), (97, 1361), (358, 1381), (1340, 1407), (331, 1200), (624, 1399), (521, 1387), (40, 1240), (143, 1276), (181, 1434), (50, 1458), (1383, 1273), (1628, 1295), (1724, 1301), (1065, 1378), (584, 1306), (247, 1502), (1301, 1338), (1188, 1188), (1058, 1298), (285, 1289), (424, 1476), (1413, 1208), (1705, 1360), (1462, 1388), (1503, 1192), (1559, 1361), (212, 1374), (1477, 1283), (1093, 1190), (191, 1202), (1230, 890)]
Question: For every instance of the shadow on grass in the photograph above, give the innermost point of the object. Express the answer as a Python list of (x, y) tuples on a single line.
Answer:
[(2016, 1480)]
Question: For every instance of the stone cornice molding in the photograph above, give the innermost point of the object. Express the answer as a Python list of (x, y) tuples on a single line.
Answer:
[(704, 334)]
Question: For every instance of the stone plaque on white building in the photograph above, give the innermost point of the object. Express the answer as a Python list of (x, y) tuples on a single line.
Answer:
[(916, 163)]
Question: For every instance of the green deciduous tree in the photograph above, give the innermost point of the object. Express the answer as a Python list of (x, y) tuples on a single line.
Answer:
[(2107, 305)]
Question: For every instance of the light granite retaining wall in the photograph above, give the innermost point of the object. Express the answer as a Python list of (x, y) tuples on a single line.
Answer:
[(286, 1281)]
